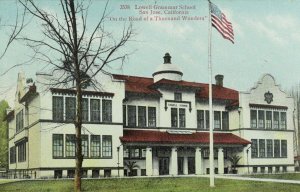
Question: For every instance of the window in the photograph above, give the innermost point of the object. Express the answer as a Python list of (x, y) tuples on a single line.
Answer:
[(57, 174), (70, 173), (269, 148), (106, 110), (284, 169), (283, 148), (143, 153), (217, 120), (178, 96), (268, 119), (200, 119), (95, 145), (141, 116), (70, 108), (269, 169), (58, 145), (135, 153), (174, 117), (85, 109), (261, 119), (262, 169), (253, 117), (131, 116), (276, 148), (70, 145), (57, 108), (151, 116), (262, 148), (276, 119), (12, 155), (207, 119), (282, 120), (21, 152), (254, 148), (143, 172), (95, 110), (19, 121), (126, 153), (181, 117), (124, 115), (95, 173), (85, 145), (225, 120), (106, 146), (254, 169)]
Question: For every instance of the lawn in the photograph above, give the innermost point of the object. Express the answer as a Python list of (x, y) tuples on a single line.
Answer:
[(287, 176), (151, 184)]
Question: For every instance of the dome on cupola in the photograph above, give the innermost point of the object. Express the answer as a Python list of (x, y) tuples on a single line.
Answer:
[(167, 70)]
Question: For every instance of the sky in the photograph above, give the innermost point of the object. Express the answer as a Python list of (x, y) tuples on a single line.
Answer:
[(266, 32)]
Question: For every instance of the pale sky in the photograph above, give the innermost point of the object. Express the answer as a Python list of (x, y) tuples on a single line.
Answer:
[(267, 40)]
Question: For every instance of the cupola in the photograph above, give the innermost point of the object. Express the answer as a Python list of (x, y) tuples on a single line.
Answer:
[(167, 70)]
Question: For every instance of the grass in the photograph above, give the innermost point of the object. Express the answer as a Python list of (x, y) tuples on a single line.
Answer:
[(286, 176), (151, 184), (2, 181)]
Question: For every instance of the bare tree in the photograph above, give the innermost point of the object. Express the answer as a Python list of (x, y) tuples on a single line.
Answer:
[(80, 52), (295, 93)]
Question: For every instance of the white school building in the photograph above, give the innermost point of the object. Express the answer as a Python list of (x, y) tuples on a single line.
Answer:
[(161, 123)]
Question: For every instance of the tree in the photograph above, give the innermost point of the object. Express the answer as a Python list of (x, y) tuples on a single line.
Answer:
[(131, 165), (234, 160), (3, 135), (67, 46), (295, 93)]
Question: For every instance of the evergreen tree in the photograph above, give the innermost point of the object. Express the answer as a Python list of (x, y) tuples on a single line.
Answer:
[(3, 135)]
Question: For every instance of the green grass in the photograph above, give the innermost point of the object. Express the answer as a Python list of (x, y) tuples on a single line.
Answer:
[(2, 181), (286, 176), (151, 184)]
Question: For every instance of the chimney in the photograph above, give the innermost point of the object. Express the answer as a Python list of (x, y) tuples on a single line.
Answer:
[(219, 80), (167, 58)]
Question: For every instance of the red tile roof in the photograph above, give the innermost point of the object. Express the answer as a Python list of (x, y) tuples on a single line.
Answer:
[(146, 85), (135, 84), (141, 136)]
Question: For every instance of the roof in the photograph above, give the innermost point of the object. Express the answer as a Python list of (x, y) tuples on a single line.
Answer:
[(142, 136), (135, 84)]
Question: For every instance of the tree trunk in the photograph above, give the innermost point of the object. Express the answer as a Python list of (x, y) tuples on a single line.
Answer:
[(78, 126)]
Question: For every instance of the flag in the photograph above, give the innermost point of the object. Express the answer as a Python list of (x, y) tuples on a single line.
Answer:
[(219, 21)]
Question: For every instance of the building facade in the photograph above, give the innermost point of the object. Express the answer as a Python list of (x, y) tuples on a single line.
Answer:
[(159, 124)]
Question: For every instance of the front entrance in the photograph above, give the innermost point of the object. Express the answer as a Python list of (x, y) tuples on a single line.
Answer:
[(191, 165), (164, 166), (180, 165)]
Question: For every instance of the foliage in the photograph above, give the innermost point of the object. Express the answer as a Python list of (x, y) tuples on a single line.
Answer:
[(131, 165), (3, 135), (234, 160)]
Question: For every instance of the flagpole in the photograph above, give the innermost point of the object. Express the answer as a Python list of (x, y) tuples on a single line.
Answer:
[(211, 139)]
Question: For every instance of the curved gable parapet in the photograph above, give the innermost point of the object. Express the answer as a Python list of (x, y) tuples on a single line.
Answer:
[(267, 92)]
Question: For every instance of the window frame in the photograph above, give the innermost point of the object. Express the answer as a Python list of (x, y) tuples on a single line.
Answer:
[(70, 108), (56, 147), (95, 146), (58, 108), (107, 148), (95, 110), (151, 117), (142, 116), (106, 110)]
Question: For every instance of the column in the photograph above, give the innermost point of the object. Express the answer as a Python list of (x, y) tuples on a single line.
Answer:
[(149, 161), (220, 161), (185, 165), (198, 161), (174, 163)]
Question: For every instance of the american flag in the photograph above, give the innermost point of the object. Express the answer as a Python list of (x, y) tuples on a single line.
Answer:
[(219, 21)]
